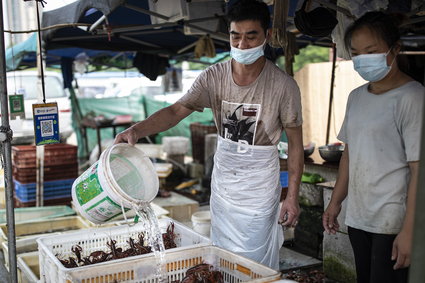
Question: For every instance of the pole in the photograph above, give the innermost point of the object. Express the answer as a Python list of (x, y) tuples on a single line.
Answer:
[(6, 138), (331, 95), (417, 270), (39, 199)]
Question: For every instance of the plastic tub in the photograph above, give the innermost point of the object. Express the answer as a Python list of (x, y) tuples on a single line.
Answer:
[(175, 145), (37, 213), (201, 221)]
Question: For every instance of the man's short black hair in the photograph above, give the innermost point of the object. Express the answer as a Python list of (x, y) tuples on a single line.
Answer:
[(249, 10)]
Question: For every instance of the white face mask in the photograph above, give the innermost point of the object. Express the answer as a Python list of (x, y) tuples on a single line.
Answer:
[(372, 67), (247, 56)]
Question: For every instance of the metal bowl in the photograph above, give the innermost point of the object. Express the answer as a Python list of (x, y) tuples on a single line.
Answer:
[(308, 151), (331, 153)]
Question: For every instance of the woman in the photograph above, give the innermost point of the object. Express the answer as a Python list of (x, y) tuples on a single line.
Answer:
[(379, 167)]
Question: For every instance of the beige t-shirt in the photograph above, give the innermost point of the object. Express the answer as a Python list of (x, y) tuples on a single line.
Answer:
[(256, 113)]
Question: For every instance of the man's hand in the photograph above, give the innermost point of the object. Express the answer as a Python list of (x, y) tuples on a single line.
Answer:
[(329, 218), (402, 248), (289, 212), (128, 136)]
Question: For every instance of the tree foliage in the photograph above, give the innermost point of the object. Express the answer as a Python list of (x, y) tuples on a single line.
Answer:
[(308, 54)]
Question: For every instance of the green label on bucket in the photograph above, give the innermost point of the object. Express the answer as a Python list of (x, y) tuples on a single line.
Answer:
[(105, 209), (88, 188)]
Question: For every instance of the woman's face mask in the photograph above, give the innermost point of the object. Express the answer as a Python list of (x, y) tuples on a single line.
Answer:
[(247, 56), (372, 67)]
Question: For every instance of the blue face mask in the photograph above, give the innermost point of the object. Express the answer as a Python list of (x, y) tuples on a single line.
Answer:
[(247, 56), (372, 67)]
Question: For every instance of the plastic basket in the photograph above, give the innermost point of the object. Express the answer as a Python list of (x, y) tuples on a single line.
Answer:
[(51, 173), (51, 270), (233, 267), (284, 179), (52, 190), (24, 156), (198, 132)]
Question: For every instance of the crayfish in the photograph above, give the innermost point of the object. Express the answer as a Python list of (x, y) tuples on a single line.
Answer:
[(136, 247), (169, 237), (202, 273)]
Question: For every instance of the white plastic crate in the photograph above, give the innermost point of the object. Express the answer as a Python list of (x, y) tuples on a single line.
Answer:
[(28, 267), (233, 267), (52, 270)]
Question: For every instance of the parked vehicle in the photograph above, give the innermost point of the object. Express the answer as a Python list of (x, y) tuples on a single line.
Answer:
[(27, 83)]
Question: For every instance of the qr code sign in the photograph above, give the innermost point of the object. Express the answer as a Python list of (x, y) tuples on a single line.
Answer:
[(46, 128), (16, 105)]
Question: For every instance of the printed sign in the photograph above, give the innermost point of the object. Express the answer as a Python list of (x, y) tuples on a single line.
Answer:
[(16, 106), (46, 123)]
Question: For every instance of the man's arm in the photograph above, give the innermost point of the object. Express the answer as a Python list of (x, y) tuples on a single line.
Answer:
[(160, 121), (290, 205), (402, 246)]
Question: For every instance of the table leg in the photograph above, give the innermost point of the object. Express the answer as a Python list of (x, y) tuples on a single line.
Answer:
[(86, 143), (99, 142)]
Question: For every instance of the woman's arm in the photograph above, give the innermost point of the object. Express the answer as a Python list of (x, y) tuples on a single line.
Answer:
[(339, 193), (402, 246)]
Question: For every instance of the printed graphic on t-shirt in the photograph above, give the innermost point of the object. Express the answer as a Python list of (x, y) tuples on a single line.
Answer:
[(239, 121)]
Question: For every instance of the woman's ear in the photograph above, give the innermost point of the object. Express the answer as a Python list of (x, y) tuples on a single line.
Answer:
[(397, 47)]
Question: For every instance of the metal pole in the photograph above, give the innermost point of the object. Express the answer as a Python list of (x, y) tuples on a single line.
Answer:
[(331, 95), (7, 158), (417, 270)]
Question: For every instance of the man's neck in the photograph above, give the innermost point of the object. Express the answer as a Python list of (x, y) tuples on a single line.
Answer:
[(246, 74)]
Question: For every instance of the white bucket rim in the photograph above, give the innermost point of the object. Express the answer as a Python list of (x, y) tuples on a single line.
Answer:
[(105, 156), (201, 216)]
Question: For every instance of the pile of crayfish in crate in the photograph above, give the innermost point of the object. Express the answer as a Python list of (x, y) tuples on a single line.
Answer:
[(136, 247), (202, 273)]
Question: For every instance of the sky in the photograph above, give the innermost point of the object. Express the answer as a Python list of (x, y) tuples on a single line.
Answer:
[(54, 4)]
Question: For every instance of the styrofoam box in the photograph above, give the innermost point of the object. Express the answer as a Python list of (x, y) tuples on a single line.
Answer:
[(233, 267), (90, 240)]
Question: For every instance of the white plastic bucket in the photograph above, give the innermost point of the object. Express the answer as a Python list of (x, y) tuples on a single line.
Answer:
[(122, 177), (201, 222)]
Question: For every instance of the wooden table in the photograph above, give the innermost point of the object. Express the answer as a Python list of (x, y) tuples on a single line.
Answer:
[(92, 124)]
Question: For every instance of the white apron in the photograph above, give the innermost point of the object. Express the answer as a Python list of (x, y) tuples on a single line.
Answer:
[(245, 194)]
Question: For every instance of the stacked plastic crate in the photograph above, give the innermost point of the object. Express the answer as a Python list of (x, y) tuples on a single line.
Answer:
[(60, 171)]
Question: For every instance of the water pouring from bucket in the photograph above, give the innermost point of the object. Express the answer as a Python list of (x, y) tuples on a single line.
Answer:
[(122, 178)]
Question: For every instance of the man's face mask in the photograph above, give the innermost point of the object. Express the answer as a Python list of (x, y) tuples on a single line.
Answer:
[(247, 56), (372, 67)]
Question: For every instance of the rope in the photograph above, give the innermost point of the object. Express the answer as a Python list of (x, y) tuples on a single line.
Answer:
[(41, 55)]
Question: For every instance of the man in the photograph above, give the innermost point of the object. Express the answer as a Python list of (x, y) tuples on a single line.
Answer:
[(253, 101)]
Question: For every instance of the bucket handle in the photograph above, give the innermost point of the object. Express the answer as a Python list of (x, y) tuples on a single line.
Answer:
[(125, 216)]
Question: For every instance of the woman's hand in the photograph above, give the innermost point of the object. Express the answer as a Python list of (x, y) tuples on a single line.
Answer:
[(329, 219), (402, 248)]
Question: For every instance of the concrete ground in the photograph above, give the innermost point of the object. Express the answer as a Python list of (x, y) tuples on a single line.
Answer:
[(4, 274)]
